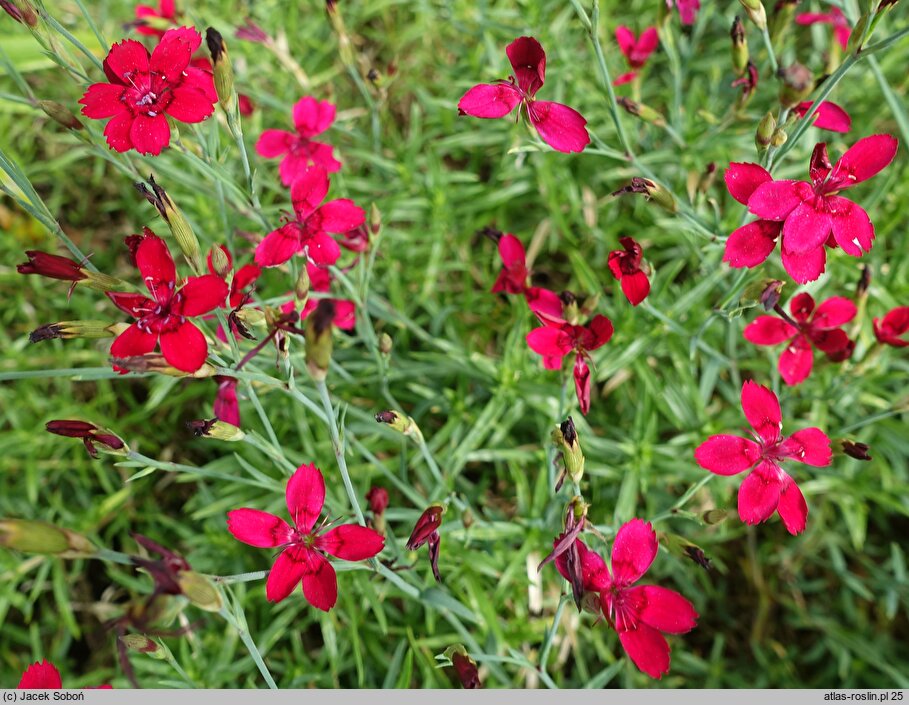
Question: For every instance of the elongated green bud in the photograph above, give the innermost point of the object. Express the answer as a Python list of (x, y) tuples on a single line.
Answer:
[(764, 133), (143, 645), (40, 537), (652, 190), (200, 591), (779, 137), (318, 339), (398, 421), (67, 330), (756, 13), (386, 344), (155, 362), (60, 114), (565, 438), (645, 112), (102, 282), (223, 70), (739, 47), (173, 216), (217, 429)]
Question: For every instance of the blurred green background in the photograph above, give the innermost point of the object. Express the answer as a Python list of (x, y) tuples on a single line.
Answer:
[(824, 609)]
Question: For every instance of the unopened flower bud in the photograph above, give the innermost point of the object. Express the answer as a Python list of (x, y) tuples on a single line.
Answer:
[(67, 330), (302, 286), (89, 434), (714, 516), (739, 47), (143, 645), (464, 666), (250, 317), (861, 289), (783, 19), (566, 440), (652, 190), (214, 428), (378, 499), (755, 11), (428, 523), (797, 83), (21, 11), (40, 537), (155, 362), (385, 344), (176, 221), (219, 261), (318, 339), (375, 219), (645, 112), (200, 591), (570, 308), (859, 451), (765, 292), (779, 137), (764, 134), (223, 70), (51, 266), (61, 114), (398, 421), (102, 282), (697, 554)]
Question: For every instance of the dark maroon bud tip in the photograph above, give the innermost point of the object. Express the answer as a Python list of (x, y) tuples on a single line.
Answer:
[(859, 451), (492, 233), (698, 556), (467, 671), (47, 332), (569, 432), (388, 417), (201, 427), (51, 266), (215, 43), (378, 499), (70, 428)]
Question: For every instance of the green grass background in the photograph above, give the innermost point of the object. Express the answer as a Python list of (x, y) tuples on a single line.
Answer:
[(827, 608)]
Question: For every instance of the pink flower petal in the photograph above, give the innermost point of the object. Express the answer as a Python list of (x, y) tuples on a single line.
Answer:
[(257, 528), (635, 286), (600, 331), (155, 264), (743, 178), (727, 455), (341, 215), (103, 100), (593, 568), (633, 551), (796, 361), (189, 105), (768, 330), (320, 585), (775, 200), (646, 45), (351, 542), (274, 143), (116, 132), (323, 250), (172, 55), (864, 159), (626, 40), (313, 117), (833, 313), (805, 267), (286, 573), (149, 135), (125, 59), (751, 244), (184, 348), (308, 191), (135, 305), (202, 294), (759, 494), (322, 155), (762, 409), (489, 100), (805, 228), (528, 60), (647, 649), (305, 496), (546, 305), (793, 508), (133, 341), (561, 127), (624, 78), (810, 446), (549, 341), (851, 225), (42, 675), (664, 609), (828, 116), (278, 246)]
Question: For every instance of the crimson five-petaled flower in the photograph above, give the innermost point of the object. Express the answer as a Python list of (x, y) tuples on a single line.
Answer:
[(809, 216), (43, 675), (164, 318), (635, 50), (767, 488), (309, 233), (300, 151), (143, 90), (556, 340), (638, 613), (819, 327), (625, 266), (305, 543), (559, 126), (149, 20), (889, 329)]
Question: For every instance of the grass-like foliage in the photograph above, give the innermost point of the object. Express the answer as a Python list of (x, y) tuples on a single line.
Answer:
[(346, 340)]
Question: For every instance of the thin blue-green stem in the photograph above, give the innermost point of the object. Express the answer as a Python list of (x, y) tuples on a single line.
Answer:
[(550, 635), (250, 646)]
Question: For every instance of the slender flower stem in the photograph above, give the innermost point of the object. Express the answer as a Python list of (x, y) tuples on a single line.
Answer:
[(239, 577), (250, 646), (774, 64), (550, 635), (338, 445)]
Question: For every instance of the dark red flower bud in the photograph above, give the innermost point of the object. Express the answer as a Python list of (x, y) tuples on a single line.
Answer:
[(426, 526), (770, 296), (251, 32), (433, 544), (864, 282), (466, 668), (164, 571), (89, 433), (23, 13), (698, 556), (378, 499), (492, 233), (859, 451), (51, 266)]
